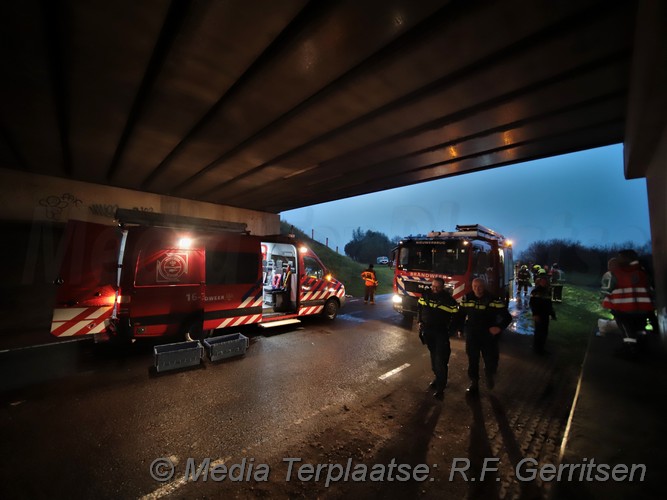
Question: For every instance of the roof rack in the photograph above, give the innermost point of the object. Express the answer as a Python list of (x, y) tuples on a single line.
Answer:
[(467, 231), (470, 231), (479, 228), (126, 216)]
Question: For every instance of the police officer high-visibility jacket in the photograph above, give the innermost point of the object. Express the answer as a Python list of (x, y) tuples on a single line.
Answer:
[(631, 290), (478, 314), (436, 310)]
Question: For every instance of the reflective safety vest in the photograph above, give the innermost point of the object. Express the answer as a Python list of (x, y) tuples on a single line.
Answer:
[(433, 304), (632, 292), (523, 275), (436, 310), (287, 279), (369, 278), (478, 314), (481, 306)]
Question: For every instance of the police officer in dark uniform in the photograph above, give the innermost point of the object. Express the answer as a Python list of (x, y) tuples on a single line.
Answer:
[(435, 310), (482, 317)]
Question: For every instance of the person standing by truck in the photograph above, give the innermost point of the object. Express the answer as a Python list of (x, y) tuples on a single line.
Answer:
[(630, 294), (556, 280), (482, 317), (435, 310), (542, 308), (523, 279), (608, 280), (370, 282)]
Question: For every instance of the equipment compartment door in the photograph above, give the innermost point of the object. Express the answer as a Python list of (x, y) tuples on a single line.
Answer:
[(168, 290), (233, 281), (86, 279)]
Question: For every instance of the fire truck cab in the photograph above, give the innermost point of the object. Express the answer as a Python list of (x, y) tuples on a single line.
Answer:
[(472, 251), (156, 275)]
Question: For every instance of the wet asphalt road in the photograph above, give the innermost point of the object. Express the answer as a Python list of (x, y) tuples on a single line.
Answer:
[(96, 432)]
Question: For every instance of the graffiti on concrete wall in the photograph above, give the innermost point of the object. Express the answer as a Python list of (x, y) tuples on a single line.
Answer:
[(103, 210), (110, 210), (55, 205)]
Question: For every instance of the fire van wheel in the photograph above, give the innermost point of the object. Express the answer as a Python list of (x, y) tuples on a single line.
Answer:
[(330, 309)]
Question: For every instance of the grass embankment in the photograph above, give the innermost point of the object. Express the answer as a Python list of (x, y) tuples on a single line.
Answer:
[(349, 272), (343, 268), (577, 320)]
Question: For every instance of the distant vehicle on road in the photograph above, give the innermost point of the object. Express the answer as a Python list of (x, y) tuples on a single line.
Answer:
[(383, 260)]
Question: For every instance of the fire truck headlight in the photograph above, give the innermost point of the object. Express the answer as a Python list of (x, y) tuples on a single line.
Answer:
[(328, 277), (397, 299)]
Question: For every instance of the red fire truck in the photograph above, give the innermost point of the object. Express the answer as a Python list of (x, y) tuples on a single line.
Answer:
[(157, 275), (457, 257)]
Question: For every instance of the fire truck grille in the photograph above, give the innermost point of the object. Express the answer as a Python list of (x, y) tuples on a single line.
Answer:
[(417, 286)]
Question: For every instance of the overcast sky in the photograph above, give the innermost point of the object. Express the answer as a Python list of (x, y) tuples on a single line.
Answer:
[(580, 196)]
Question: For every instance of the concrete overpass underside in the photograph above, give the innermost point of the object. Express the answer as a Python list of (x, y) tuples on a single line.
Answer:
[(269, 106)]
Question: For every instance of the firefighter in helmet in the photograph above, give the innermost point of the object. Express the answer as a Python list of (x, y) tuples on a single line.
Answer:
[(535, 270), (523, 279)]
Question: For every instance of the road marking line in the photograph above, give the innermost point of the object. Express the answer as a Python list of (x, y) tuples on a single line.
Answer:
[(394, 371), (299, 421), (169, 488), (575, 400), (165, 490)]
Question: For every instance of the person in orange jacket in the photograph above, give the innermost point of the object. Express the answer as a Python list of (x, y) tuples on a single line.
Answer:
[(371, 282)]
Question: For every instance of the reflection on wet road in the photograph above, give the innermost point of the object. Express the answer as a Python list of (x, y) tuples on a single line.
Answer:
[(520, 311)]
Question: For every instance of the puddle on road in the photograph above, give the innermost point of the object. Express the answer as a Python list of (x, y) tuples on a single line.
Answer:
[(523, 319), (522, 322), (351, 317)]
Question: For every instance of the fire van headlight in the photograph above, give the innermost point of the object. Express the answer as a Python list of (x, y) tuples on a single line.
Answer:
[(397, 299)]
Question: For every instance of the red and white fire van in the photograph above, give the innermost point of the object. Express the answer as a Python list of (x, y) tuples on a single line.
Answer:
[(157, 275)]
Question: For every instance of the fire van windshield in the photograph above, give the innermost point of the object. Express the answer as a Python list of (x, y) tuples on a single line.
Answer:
[(443, 257)]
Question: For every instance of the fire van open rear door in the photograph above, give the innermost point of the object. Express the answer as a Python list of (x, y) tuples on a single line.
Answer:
[(86, 279)]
